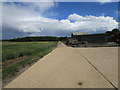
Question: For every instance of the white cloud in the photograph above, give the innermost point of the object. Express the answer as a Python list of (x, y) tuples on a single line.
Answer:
[(43, 5), (28, 20), (104, 1), (40, 6)]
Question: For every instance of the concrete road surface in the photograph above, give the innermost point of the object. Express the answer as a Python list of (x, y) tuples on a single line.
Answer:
[(68, 67)]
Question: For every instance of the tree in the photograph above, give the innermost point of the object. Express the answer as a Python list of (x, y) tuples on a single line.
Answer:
[(113, 36), (114, 31)]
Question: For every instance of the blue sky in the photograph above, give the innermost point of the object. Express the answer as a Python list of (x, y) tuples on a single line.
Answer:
[(57, 18), (86, 8)]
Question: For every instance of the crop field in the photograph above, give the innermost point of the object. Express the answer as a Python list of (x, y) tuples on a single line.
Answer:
[(16, 55)]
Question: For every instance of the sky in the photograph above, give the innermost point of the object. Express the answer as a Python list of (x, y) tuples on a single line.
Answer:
[(21, 19)]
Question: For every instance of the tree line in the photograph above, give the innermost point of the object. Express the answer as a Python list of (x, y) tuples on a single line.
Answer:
[(41, 38)]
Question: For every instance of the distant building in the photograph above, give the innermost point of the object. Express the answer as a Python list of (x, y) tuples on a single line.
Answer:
[(90, 38), (74, 34)]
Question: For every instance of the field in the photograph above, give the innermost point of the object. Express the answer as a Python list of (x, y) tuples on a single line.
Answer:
[(17, 55)]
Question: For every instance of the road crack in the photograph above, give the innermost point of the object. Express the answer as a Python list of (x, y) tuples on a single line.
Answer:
[(97, 70)]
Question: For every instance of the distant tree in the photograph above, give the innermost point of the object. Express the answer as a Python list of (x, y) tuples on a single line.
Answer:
[(108, 33), (113, 36), (114, 31), (31, 39)]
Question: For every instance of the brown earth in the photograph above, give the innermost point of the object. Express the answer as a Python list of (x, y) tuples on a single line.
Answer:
[(8, 63)]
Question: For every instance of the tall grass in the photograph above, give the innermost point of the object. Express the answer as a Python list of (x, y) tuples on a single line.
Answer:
[(34, 51), (11, 51)]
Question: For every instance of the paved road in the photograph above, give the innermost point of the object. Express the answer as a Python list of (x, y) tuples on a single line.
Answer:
[(68, 67)]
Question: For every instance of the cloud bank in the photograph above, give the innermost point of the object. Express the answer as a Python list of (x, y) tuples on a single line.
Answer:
[(28, 18)]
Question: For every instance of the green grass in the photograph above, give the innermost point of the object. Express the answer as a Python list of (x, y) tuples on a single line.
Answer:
[(0, 73), (33, 51)]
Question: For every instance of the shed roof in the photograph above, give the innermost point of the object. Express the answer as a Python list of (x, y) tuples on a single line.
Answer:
[(79, 33)]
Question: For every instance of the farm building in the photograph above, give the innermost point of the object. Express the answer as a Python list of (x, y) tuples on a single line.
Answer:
[(76, 34), (90, 38)]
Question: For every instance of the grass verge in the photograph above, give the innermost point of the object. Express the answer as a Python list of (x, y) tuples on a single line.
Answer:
[(33, 50)]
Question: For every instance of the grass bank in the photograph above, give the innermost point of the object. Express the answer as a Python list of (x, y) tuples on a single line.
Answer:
[(31, 51)]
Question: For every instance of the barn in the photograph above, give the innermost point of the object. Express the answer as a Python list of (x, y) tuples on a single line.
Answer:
[(90, 38)]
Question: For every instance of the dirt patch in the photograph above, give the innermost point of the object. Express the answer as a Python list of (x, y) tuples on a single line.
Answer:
[(8, 43), (80, 83), (12, 61)]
